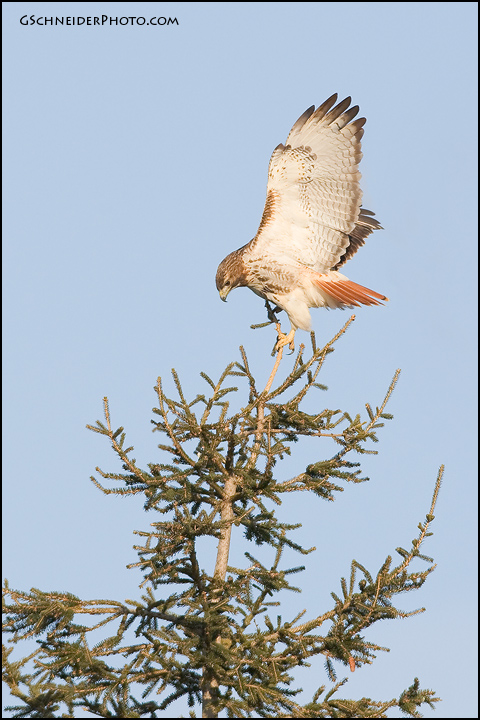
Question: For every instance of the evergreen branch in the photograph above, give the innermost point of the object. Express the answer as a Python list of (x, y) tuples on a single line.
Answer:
[(123, 455), (317, 356), (246, 370), (416, 544), (173, 437), (380, 410), (261, 412), (216, 392)]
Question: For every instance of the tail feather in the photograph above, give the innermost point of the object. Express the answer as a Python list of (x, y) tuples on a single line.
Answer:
[(347, 292)]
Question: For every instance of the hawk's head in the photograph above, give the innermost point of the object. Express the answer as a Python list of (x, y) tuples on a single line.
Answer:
[(231, 273)]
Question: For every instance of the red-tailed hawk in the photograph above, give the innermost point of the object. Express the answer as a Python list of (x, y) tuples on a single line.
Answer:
[(312, 222)]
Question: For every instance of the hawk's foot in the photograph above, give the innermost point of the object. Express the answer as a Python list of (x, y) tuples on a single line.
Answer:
[(284, 340)]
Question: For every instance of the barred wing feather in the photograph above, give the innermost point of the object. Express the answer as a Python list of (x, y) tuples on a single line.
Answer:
[(313, 192)]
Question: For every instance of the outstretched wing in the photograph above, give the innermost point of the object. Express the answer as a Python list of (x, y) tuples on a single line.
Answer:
[(313, 210)]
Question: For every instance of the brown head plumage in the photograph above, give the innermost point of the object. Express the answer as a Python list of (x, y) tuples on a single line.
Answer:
[(231, 273)]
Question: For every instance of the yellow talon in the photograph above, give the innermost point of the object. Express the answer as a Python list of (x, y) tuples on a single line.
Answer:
[(284, 339)]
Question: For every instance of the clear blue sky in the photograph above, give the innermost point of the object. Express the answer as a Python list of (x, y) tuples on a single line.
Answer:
[(135, 159)]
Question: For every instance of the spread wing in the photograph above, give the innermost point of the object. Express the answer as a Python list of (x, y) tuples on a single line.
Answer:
[(313, 210)]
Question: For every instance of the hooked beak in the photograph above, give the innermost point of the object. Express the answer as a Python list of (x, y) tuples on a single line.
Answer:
[(224, 292)]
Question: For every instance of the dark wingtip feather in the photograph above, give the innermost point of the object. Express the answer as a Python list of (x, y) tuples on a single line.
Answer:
[(303, 119)]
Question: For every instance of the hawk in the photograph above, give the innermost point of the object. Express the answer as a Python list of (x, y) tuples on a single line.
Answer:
[(312, 223)]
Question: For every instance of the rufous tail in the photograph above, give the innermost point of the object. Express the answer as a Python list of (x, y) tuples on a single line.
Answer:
[(347, 292)]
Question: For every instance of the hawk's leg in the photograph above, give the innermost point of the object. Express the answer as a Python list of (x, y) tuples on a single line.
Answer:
[(271, 312), (284, 339)]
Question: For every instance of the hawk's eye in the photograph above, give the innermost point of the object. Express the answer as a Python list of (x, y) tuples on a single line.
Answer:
[(227, 282)]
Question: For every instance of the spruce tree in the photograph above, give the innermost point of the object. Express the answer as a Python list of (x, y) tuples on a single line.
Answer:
[(211, 637)]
